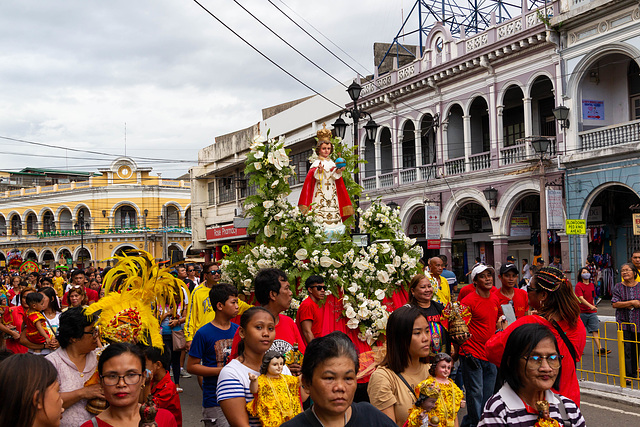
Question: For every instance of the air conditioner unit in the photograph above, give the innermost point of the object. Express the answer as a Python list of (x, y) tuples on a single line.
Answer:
[(238, 212)]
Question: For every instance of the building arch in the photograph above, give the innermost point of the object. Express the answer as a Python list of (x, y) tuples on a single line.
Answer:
[(467, 107), (131, 213), (121, 203), (62, 250), (505, 87), (187, 221), (386, 151), (174, 213), (30, 221), (121, 247), (76, 210), (27, 212), (408, 209), (510, 199), (452, 208), (43, 252), (535, 76), (76, 253), (30, 254), (408, 145), (64, 218), (15, 223)]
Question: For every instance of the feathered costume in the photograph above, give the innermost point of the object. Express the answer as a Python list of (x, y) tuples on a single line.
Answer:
[(134, 290)]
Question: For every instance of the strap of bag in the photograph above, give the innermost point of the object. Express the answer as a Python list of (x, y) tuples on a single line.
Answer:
[(570, 346), (413, 393), (563, 412), (94, 422)]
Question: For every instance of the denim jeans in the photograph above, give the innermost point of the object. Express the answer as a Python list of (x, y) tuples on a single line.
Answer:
[(479, 381)]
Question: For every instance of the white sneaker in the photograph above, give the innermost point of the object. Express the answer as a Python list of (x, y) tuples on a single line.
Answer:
[(184, 374)]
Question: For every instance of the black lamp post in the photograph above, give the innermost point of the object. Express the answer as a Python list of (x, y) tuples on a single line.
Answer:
[(562, 115), (491, 194), (541, 145), (81, 225), (340, 128)]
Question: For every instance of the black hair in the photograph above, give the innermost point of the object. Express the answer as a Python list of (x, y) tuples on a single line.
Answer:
[(118, 348), (399, 332), (155, 354), (4, 354), (436, 359), (267, 358), (526, 261), (46, 279), (220, 293), (22, 376), (268, 280), (580, 273), (443, 258), (244, 323), (34, 274), (336, 344), (72, 324), (521, 342), (590, 259), (314, 279), (33, 298), (76, 272), (53, 298)]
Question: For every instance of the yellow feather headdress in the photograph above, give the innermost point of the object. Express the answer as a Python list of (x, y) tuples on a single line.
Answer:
[(136, 289)]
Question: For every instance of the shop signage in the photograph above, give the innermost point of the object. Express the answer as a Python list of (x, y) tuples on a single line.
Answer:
[(224, 233), (433, 244), (576, 226), (555, 217), (594, 214), (432, 217), (592, 110), (636, 224), (520, 226), (114, 231)]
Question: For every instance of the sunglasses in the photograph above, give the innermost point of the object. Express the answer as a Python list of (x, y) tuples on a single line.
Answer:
[(189, 271), (320, 288), (215, 272)]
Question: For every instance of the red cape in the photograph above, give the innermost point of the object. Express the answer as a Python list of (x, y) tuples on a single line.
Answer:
[(306, 197)]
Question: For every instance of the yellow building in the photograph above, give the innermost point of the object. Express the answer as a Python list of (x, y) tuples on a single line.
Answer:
[(124, 207)]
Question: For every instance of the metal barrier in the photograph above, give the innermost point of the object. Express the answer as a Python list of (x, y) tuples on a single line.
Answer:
[(611, 369)]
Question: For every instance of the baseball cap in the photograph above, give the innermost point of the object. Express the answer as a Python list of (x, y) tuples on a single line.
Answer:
[(479, 269), (508, 267), (511, 258)]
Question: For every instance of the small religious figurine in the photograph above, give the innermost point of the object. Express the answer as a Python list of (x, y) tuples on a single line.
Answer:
[(544, 418), (420, 414), (148, 412), (324, 191), (450, 398), (276, 397)]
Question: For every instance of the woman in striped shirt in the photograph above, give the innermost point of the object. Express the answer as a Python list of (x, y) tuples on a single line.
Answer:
[(530, 367)]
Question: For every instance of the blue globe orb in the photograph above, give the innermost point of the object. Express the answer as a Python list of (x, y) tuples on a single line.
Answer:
[(341, 163)]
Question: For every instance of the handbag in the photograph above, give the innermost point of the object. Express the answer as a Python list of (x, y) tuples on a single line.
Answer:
[(178, 340)]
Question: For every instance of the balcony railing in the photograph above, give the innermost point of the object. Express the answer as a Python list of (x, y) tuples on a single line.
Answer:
[(513, 154), (480, 161), (610, 135), (386, 180), (427, 172), (408, 175), (454, 166), (369, 183)]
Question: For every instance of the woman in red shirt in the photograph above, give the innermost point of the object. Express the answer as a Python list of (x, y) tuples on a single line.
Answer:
[(557, 307)]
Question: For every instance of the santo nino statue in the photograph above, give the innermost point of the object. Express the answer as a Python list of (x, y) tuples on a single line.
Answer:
[(324, 191)]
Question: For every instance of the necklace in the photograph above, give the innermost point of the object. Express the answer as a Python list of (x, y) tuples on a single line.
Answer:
[(313, 409)]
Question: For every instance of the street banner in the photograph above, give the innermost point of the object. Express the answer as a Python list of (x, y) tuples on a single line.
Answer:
[(555, 217), (432, 217), (636, 224), (576, 226)]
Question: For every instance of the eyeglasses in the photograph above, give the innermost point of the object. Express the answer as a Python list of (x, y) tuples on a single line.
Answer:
[(320, 288), (189, 271), (215, 272), (114, 379), (536, 361), (93, 332)]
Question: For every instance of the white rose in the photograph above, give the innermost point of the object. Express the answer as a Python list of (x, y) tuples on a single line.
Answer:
[(325, 261), (383, 276), (380, 294), (267, 204), (353, 323), (301, 254)]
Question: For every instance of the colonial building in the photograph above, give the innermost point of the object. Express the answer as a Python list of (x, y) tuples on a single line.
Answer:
[(87, 221)]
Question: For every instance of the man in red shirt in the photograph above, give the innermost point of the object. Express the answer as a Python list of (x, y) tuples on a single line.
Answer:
[(509, 293), (78, 279), (309, 316), (479, 374)]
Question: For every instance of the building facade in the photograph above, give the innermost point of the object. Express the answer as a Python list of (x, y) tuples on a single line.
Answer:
[(87, 222)]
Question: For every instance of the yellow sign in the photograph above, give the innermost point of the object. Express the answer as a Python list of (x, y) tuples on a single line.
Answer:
[(226, 249), (576, 226), (636, 224)]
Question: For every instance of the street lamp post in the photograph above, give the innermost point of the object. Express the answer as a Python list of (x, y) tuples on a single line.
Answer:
[(541, 145), (81, 225), (340, 127)]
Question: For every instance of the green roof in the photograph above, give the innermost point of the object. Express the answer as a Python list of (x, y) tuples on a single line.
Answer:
[(62, 172)]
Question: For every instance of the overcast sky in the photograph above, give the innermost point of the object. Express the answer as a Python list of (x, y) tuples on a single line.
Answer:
[(73, 72)]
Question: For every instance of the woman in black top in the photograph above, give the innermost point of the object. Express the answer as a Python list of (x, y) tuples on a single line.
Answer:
[(420, 294)]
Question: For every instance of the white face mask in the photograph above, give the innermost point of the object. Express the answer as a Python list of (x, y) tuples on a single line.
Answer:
[(586, 276)]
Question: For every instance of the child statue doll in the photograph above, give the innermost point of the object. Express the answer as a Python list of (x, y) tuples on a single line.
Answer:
[(276, 397), (421, 415)]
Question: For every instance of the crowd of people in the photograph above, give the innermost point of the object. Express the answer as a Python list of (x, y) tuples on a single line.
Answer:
[(513, 363)]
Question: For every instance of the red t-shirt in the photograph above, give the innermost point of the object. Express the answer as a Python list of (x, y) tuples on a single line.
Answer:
[(165, 395), (484, 315), (92, 295), (520, 301), (470, 288), (287, 334), (32, 331), (14, 317), (588, 292), (164, 418), (577, 336), (309, 310)]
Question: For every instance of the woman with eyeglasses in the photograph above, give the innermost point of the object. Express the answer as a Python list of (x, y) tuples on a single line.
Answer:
[(76, 361), (626, 301), (531, 366), (123, 377), (556, 306)]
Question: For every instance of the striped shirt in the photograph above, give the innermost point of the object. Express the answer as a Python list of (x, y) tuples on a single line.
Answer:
[(234, 382), (505, 408)]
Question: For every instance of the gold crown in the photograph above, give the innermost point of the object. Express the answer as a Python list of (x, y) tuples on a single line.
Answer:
[(324, 134), (428, 388), (124, 327)]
